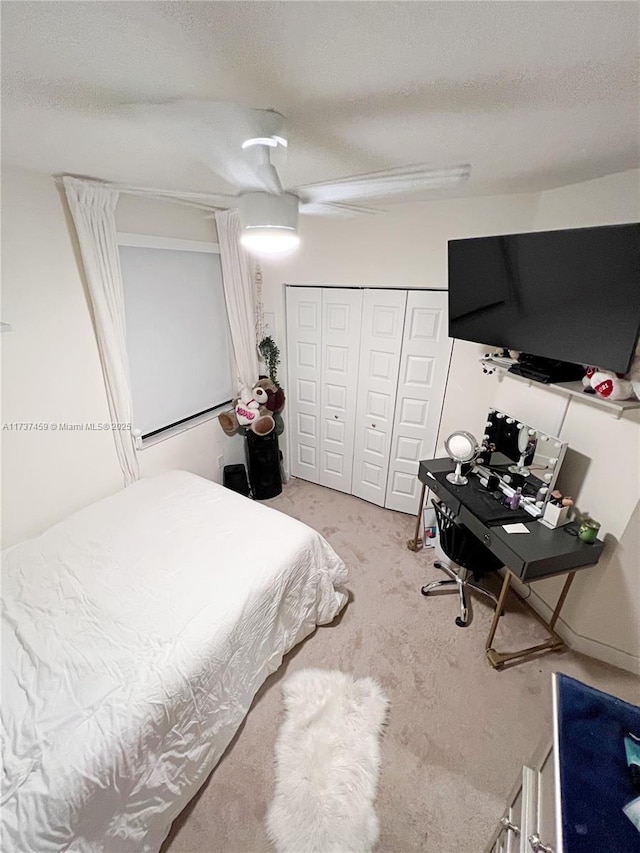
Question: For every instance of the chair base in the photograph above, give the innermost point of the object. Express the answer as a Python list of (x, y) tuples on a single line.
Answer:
[(457, 581)]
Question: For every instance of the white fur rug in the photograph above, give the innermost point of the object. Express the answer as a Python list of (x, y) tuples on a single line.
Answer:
[(327, 764)]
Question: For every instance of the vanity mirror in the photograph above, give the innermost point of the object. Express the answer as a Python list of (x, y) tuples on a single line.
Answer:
[(521, 455), (462, 447)]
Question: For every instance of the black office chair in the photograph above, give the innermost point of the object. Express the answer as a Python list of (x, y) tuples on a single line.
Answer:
[(469, 555)]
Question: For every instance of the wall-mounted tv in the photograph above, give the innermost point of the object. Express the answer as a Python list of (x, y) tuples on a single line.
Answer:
[(571, 295)]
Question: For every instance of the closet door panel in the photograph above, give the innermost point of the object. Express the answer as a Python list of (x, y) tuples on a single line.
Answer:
[(380, 345), (304, 356), (424, 365), (341, 321)]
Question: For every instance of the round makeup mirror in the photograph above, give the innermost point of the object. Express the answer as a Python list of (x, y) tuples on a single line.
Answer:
[(462, 447)]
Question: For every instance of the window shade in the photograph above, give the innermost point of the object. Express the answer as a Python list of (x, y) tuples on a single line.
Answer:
[(177, 334)]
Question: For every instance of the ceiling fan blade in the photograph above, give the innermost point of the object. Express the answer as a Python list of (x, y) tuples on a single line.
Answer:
[(384, 184), (213, 133), (337, 209), (249, 170)]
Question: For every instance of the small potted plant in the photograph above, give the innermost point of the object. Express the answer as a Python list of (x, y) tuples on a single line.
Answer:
[(271, 357)]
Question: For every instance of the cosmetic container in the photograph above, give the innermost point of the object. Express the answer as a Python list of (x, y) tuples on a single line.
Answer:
[(516, 498), (554, 515), (542, 493), (589, 530)]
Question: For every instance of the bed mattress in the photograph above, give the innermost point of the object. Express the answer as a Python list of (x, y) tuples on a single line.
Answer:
[(135, 635)]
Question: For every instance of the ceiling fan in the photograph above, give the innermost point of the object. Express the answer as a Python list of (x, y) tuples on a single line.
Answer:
[(237, 143)]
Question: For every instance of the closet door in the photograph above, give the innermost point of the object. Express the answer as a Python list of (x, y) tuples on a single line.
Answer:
[(380, 344), (304, 332), (341, 321), (424, 365)]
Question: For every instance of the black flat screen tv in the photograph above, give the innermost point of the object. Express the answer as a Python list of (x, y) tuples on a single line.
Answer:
[(571, 295)]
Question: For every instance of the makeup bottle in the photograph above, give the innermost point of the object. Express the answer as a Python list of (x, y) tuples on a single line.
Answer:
[(516, 498), (542, 493)]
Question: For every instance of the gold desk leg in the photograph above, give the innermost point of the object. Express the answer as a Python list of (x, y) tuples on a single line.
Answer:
[(496, 658), (506, 583), (416, 543), (561, 600)]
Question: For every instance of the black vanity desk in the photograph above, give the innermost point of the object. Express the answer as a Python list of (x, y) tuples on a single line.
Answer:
[(541, 553)]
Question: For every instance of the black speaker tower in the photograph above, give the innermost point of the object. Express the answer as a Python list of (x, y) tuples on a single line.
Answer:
[(263, 455)]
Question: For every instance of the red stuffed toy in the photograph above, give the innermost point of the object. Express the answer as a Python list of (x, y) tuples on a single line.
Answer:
[(615, 386)]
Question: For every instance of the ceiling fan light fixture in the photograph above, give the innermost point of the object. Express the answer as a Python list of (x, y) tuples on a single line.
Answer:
[(259, 140), (269, 223), (270, 141), (268, 128), (270, 239)]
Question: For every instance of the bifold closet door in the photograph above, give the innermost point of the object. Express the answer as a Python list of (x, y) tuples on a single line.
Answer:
[(367, 371), (304, 357), (323, 342), (424, 366), (380, 346), (341, 322)]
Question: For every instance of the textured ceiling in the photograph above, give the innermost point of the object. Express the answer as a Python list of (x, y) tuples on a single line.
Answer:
[(533, 94)]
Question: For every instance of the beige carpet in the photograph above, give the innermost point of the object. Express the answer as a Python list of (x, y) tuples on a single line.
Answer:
[(458, 731)]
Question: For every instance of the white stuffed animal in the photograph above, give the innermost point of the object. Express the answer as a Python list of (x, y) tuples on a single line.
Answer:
[(247, 408), (615, 386), (634, 373)]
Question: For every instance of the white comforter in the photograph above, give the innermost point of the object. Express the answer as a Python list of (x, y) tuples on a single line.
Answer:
[(135, 635)]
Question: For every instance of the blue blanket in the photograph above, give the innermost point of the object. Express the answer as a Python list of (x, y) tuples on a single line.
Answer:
[(595, 779)]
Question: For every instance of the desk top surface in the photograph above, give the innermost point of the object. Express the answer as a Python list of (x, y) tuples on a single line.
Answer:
[(541, 543)]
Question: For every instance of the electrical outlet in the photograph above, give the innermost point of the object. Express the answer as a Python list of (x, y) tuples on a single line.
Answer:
[(221, 460)]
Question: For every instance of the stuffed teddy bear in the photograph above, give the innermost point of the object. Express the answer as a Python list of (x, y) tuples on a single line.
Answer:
[(250, 411), (275, 395), (615, 386), (275, 401)]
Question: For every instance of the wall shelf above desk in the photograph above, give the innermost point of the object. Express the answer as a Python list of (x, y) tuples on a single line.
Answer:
[(572, 389)]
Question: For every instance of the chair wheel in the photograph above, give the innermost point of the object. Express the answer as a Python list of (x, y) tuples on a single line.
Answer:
[(460, 623), (422, 590)]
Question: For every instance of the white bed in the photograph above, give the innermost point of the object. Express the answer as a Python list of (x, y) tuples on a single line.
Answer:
[(135, 635)]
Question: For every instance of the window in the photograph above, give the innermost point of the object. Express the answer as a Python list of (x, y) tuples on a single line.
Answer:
[(178, 338)]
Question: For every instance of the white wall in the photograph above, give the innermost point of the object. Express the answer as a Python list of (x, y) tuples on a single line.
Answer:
[(602, 468), (408, 248), (604, 201), (50, 366)]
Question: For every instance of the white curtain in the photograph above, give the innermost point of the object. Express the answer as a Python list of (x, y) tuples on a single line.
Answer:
[(93, 210), (238, 293)]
